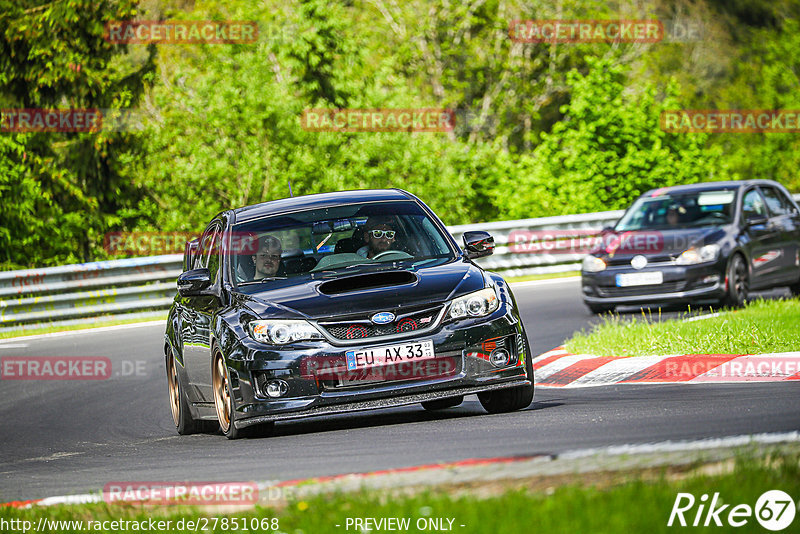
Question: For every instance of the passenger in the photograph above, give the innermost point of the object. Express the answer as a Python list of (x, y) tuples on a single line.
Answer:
[(268, 258)]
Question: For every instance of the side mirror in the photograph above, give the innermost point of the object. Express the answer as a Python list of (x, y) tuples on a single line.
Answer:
[(192, 283), (756, 220), (478, 244)]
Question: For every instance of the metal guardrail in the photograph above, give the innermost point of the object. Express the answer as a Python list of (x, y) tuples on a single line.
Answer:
[(510, 263), (88, 289), (70, 292)]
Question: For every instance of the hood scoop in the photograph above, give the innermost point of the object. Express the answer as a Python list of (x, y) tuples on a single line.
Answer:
[(367, 281)]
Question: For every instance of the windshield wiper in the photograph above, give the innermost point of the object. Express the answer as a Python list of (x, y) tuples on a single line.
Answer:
[(383, 265), (265, 279), (362, 264)]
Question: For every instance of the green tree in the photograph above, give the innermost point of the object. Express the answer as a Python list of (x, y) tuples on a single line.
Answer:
[(53, 55), (608, 150), (766, 76)]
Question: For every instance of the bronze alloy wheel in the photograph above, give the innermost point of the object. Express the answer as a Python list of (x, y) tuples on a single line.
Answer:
[(222, 396), (174, 391)]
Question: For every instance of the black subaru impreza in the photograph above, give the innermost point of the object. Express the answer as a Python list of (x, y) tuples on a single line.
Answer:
[(334, 303), (709, 242)]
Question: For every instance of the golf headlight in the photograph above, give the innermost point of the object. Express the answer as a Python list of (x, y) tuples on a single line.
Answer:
[(698, 255), (276, 332), (476, 304), (593, 264)]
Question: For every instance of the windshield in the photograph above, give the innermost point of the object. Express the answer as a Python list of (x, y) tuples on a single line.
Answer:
[(679, 210), (337, 240)]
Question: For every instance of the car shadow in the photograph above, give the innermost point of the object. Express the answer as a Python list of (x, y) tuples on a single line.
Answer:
[(542, 405), (391, 416)]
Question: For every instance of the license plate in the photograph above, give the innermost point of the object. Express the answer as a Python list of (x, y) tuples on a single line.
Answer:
[(389, 355), (650, 278)]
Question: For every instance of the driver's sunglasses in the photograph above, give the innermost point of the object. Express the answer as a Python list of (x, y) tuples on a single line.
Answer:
[(377, 234)]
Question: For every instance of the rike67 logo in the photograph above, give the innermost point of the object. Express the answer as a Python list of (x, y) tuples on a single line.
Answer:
[(774, 510)]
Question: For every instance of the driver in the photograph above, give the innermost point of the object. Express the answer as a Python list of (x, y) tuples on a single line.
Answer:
[(268, 258), (379, 236), (674, 214)]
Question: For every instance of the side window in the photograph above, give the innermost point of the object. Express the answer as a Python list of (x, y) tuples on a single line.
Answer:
[(777, 197), (190, 253), (208, 242), (753, 205), (774, 202), (213, 255)]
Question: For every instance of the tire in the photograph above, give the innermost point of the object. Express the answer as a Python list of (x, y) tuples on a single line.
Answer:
[(795, 289), (179, 406), (738, 283), (441, 404), (597, 309), (510, 399), (223, 403)]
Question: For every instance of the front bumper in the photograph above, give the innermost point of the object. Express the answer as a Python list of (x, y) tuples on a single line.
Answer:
[(461, 351), (374, 404), (688, 283)]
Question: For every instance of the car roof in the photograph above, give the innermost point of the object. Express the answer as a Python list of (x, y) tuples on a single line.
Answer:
[(320, 200), (709, 186)]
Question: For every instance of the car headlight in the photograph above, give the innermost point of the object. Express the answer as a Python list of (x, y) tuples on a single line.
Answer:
[(698, 255), (593, 264), (477, 304), (281, 332)]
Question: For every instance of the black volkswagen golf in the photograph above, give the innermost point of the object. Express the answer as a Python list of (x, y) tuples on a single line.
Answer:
[(709, 242), (334, 303)]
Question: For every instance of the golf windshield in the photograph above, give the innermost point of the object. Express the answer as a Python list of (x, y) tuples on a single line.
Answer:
[(679, 210), (336, 240)]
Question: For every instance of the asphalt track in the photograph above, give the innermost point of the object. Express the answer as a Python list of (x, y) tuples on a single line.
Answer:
[(65, 437)]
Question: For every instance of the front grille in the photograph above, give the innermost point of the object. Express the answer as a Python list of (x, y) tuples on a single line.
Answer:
[(363, 328), (652, 260), (666, 287), (510, 343)]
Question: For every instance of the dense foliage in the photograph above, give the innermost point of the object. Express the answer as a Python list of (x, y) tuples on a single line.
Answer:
[(62, 191), (541, 129)]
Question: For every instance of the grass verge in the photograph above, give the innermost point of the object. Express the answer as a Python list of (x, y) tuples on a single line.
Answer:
[(83, 326), (640, 502), (546, 276), (763, 326)]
